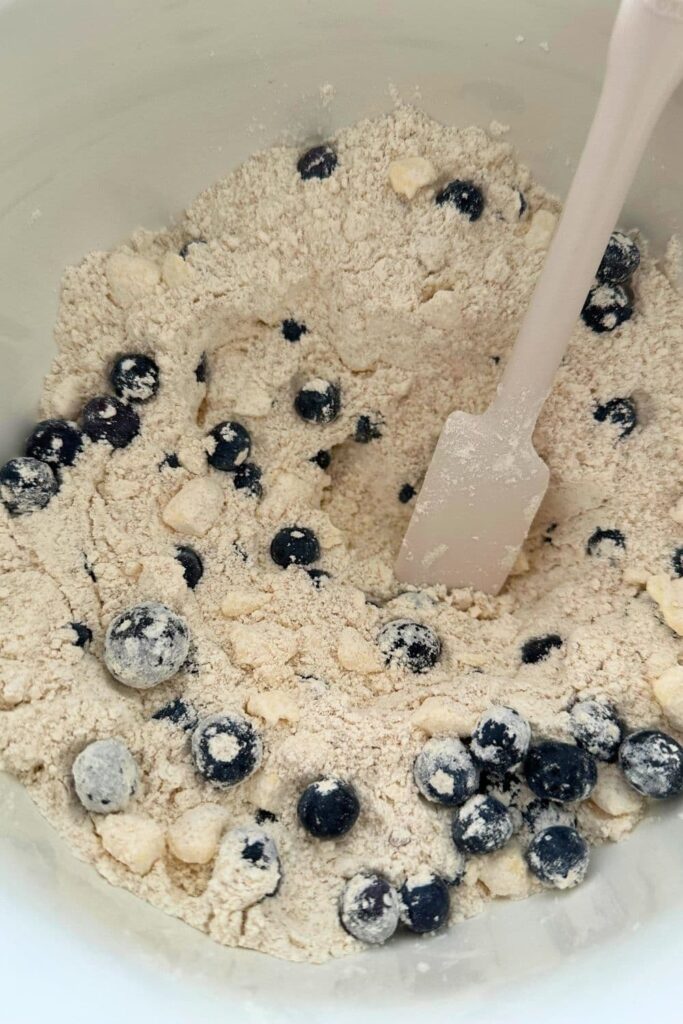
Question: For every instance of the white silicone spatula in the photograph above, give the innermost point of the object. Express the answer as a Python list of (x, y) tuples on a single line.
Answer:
[(485, 481)]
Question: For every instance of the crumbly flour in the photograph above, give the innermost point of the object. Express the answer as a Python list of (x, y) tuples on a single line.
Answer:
[(412, 310)]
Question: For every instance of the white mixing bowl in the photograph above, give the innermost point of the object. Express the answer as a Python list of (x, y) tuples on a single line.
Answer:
[(114, 113)]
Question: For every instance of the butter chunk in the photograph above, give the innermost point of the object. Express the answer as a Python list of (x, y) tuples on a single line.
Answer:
[(541, 230), (242, 602), (505, 873), (176, 271), (133, 840), (196, 506), (439, 716), (668, 594), (273, 707), (262, 644), (613, 795), (195, 836), (356, 654), (668, 691), (409, 174), (130, 277)]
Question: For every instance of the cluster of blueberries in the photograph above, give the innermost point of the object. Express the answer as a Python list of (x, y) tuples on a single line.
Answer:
[(481, 779)]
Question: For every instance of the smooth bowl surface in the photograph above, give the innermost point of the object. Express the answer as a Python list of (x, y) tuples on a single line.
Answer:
[(115, 114)]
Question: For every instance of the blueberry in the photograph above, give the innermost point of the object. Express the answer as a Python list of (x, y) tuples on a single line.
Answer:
[(318, 401), (621, 260), (538, 648), (523, 204), (318, 577), (145, 645), (231, 446), (26, 485), (652, 763), (294, 545), (410, 645), (606, 308), (328, 808), (201, 371), (178, 712), (500, 739), (464, 196), (406, 494), (621, 412), (262, 816), (600, 539), (135, 377), (318, 162), (368, 908), (482, 825), (292, 330), (558, 856), (108, 419), (677, 562), (226, 749), (83, 634), (560, 771), (539, 814), (424, 902), (105, 776), (507, 789), (596, 727), (322, 458), (248, 478), (171, 460), (88, 568), (254, 858), (457, 868), (184, 250), (57, 442), (444, 771), (366, 430), (193, 567)]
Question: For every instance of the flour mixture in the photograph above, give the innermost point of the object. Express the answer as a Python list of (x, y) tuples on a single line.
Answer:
[(211, 682)]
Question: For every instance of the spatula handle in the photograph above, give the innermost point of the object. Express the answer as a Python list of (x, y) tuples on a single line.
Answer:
[(644, 65)]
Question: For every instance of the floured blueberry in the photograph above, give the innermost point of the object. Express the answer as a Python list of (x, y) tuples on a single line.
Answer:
[(83, 634), (424, 902), (135, 377), (318, 162), (368, 908), (318, 401), (26, 486), (231, 446), (145, 645), (677, 562), (482, 825), (193, 566), (652, 762), (322, 458), (184, 250), (605, 542), (621, 412), (406, 493), (57, 442), (255, 858), (560, 771), (248, 478), (294, 545), (410, 645), (501, 739), (606, 308), (178, 712), (464, 196), (507, 788), (596, 727), (538, 648), (621, 259), (109, 419), (444, 771), (328, 808), (226, 749), (105, 776), (366, 430), (201, 371), (262, 816), (170, 460), (558, 856), (292, 330), (540, 814), (318, 577)]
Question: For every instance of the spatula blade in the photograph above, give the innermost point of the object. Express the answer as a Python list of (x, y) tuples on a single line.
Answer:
[(480, 495)]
